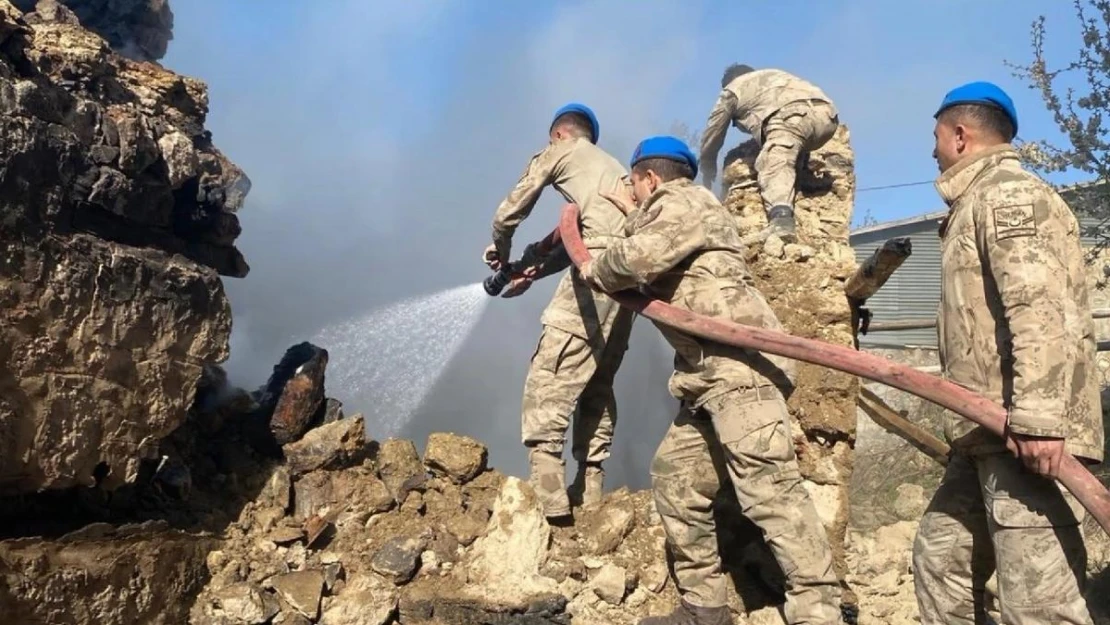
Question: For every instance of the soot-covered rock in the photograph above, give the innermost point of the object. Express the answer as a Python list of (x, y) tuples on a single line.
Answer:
[(109, 307)]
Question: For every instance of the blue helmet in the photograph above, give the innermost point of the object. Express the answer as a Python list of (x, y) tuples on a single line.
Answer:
[(671, 148), (980, 93), (581, 109)]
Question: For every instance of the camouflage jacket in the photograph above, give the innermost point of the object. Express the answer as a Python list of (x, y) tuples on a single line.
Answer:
[(578, 170), (684, 249), (749, 100), (1014, 320)]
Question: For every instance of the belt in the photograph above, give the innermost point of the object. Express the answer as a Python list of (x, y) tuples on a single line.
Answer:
[(746, 394)]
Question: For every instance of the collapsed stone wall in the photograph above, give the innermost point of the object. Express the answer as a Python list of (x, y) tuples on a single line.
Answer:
[(804, 283), (116, 220), (232, 527)]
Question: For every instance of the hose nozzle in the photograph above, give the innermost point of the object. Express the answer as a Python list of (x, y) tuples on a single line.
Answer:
[(534, 254), (498, 281)]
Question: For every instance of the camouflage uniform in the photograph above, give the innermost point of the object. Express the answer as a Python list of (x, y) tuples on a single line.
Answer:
[(684, 248), (585, 333), (788, 116), (1015, 326)]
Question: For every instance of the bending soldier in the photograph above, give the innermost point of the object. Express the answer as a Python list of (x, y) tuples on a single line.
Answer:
[(788, 116), (585, 333), (684, 248)]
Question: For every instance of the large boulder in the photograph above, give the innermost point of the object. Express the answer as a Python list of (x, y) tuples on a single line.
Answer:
[(293, 397), (116, 221)]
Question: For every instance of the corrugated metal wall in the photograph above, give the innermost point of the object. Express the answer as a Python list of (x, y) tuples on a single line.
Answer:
[(913, 292)]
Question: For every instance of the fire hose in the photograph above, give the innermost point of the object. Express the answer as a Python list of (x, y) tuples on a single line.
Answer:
[(1074, 475)]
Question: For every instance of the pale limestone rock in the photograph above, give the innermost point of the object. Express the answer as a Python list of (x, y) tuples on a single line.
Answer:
[(506, 561)]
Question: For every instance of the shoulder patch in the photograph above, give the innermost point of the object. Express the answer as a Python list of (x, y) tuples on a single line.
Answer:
[(1018, 220)]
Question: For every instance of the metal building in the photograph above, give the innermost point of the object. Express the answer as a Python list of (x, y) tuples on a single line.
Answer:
[(913, 292)]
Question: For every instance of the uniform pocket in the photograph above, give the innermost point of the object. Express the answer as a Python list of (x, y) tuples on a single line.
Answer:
[(1039, 509), (539, 344), (551, 349), (761, 422)]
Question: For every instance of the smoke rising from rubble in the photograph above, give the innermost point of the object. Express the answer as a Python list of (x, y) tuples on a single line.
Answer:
[(372, 184)]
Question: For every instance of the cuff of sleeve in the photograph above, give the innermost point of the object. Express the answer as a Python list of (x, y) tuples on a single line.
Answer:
[(1029, 423), (502, 235)]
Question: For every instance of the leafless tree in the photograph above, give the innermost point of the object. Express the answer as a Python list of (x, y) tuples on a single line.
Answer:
[(691, 137)]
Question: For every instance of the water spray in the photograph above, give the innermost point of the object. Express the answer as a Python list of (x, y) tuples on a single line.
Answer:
[(1073, 474), (385, 363), (533, 255)]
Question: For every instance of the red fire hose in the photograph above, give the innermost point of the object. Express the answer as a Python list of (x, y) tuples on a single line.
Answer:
[(1073, 474)]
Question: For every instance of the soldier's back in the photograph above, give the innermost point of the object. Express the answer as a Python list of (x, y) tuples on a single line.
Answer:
[(716, 280), (586, 171), (761, 93)]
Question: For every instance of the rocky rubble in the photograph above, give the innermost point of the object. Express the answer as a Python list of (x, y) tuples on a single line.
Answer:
[(117, 216), (333, 528), (230, 528), (804, 283), (412, 542)]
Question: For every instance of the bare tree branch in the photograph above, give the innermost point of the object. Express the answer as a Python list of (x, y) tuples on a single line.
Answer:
[(1077, 94), (682, 131)]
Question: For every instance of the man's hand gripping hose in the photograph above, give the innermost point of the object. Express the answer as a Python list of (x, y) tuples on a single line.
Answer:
[(533, 255), (1073, 474)]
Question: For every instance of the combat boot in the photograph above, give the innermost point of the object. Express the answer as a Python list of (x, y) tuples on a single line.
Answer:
[(781, 223), (686, 614), (587, 486), (549, 481)]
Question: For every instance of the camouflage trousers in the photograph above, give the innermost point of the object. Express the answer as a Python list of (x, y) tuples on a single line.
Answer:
[(568, 371), (990, 513), (748, 432), (797, 128)]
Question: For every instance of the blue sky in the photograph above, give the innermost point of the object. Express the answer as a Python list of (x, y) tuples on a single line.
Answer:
[(382, 132), (390, 67), (380, 136)]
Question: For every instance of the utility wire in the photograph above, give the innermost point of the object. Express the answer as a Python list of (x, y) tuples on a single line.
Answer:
[(894, 186)]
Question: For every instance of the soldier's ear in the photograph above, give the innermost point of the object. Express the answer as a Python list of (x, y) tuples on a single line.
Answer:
[(959, 137)]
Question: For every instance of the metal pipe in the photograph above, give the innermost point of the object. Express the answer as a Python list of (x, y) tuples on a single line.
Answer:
[(892, 421), (922, 324), (1073, 474), (873, 273)]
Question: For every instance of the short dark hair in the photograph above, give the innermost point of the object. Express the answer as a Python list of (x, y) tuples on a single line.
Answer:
[(732, 72), (577, 121), (990, 118), (665, 168)]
